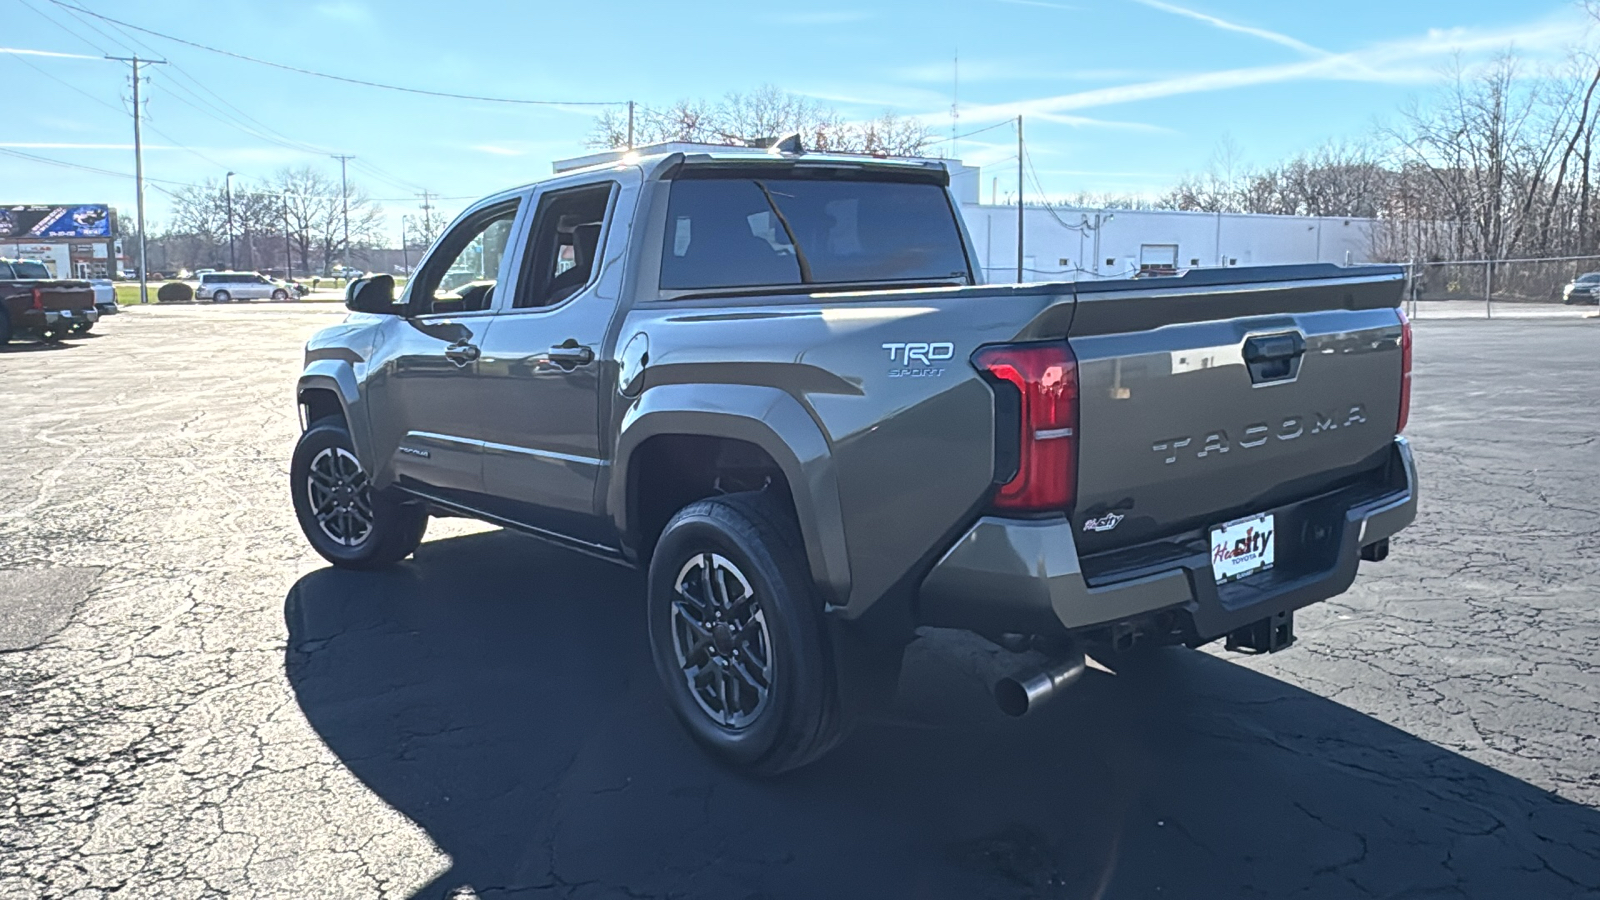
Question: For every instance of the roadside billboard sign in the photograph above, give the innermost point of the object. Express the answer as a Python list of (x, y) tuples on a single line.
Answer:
[(82, 220)]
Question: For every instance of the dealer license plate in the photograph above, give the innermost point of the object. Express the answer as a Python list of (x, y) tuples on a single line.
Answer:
[(1242, 548)]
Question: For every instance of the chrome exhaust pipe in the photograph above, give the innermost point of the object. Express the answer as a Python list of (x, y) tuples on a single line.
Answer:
[(1021, 693)]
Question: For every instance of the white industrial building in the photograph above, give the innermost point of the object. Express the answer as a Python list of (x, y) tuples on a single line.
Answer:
[(1067, 243)]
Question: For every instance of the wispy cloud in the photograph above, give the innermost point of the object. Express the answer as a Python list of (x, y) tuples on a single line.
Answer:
[(991, 70), (66, 145), (20, 51), (345, 12), (495, 150), (1040, 3), (1413, 60), (1215, 22), (824, 17)]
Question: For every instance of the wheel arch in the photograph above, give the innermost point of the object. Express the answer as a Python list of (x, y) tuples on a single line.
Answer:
[(753, 424), (328, 386)]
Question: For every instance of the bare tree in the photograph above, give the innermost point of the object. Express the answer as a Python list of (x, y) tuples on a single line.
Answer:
[(766, 112), (310, 198)]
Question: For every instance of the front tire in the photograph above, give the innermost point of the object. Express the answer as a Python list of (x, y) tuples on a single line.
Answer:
[(344, 519), (5, 327), (738, 638), (280, 294)]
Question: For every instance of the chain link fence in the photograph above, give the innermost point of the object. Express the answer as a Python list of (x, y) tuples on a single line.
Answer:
[(1517, 288)]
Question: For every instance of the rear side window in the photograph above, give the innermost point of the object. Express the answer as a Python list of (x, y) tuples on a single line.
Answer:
[(735, 231), (5, 271), (209, 279), (30, 271)]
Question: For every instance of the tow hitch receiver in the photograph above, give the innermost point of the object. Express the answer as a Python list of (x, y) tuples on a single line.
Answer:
[(1264, 635)]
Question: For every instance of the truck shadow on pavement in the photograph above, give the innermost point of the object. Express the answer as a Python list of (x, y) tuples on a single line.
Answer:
[(499, 694)]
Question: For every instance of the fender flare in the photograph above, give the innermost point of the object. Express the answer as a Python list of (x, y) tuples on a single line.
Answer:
[(768, 418), (338, 377)]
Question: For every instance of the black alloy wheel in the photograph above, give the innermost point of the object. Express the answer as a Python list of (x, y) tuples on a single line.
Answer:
[(738, 637), (342, 516)]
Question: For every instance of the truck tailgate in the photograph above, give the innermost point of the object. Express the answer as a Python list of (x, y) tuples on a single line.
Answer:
[(1203, 403), (60, 295)]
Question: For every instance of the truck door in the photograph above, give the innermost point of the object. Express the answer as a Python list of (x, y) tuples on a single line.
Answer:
[(544, 365), (428, 404)]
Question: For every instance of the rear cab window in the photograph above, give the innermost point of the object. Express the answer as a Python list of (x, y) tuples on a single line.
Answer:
[(753, 228), (30, 271)]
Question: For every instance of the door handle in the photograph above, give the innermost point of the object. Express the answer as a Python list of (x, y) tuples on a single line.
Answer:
[(461, 354), (571, 354)]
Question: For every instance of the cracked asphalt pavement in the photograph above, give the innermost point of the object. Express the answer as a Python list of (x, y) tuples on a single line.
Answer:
[(218, 713)]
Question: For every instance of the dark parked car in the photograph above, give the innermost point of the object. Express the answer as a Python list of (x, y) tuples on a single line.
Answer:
[(1583, 289)]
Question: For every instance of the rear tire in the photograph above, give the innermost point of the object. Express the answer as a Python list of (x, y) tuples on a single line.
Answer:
[(81, 328), (221, 297), (348, 523), (738, 637)]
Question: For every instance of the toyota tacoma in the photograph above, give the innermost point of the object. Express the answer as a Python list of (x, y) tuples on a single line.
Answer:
[(774, 381)]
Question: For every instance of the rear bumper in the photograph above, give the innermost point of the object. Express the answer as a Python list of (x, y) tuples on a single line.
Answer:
[(51, 319), (1015, 575)]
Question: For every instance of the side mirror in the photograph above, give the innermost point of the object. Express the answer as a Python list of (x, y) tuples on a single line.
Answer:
[(374, 294)]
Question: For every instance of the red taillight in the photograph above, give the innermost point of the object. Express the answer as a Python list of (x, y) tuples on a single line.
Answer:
[(1046, 379), (38, 299), (1405, 372)]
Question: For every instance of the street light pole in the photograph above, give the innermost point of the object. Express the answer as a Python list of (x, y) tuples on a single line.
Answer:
[(232, 263)]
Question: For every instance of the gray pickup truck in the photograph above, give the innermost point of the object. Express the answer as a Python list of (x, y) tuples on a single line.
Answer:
[(775, 381)]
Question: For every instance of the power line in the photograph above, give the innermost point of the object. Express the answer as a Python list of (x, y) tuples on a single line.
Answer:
[(228, 113), (33, 157), (69, 85), (332, 77), (73, 12), (1008, 123), (42, 14)]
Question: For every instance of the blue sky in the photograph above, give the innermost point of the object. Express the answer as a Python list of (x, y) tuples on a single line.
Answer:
[(1119, 95)]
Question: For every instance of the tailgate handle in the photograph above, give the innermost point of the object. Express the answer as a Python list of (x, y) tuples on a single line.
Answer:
[(1271, 347), (1274, 357)]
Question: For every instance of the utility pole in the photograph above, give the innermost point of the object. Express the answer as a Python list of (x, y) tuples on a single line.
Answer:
[(427, 215), (405, 254), (344, 192), (138, 166), (1019, 199), (288, 244), (630, 124), (233, 264)]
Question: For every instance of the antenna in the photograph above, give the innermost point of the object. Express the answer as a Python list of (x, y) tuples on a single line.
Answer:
[(955, 101)]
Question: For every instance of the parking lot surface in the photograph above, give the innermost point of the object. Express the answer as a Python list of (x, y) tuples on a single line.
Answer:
[(194, 705)]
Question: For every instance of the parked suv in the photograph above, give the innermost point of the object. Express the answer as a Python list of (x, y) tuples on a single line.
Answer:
[(775, 382), (224, 287)]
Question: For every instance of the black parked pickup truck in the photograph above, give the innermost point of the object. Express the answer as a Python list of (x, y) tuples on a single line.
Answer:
[(775, 380), (31, 302)]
